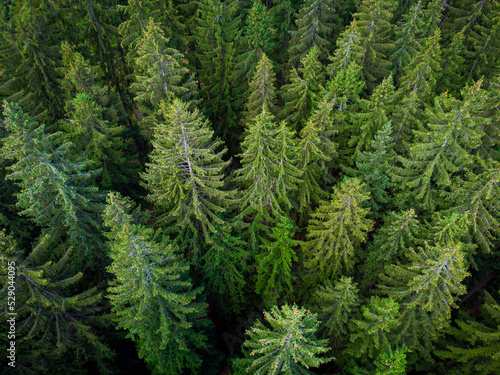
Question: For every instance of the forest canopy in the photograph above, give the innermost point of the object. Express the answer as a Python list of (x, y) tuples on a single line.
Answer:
[(250, 187)]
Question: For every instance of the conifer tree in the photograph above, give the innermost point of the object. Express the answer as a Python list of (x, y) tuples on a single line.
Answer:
[(274, 264), (391, 362), (29, 53), (335, 304), (283, 12), (314, 148), (262, 91), (373, 23), (138, 15), (373, 114), (350, 49), (479, 196), (56, 192), (475, 345), (301, 94), (287, 343), (216, 32), (407, 39), (400, 231), (160, 74), (268, 175), (152, 295), (315, 23), (224, 267), (258, 41), (336, 229), (372, 332), (426, 288), (373, 168), (441, 150), (184, 176), (54, 315)]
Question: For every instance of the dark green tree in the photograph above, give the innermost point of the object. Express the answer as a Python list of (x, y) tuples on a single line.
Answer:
[(55, 192), (336, 304), (315, 23), (274, 263), (302, 91), (151, 294), (55, 316), (336, 229)]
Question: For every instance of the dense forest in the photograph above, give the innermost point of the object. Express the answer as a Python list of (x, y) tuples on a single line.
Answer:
[(256, 187)]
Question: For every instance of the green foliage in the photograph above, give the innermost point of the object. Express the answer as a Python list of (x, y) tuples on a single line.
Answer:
[(399, 232), (54, 191), (224, 267), (426, 286), (55, 315), (301, 94), (476, 345), (391, 362), (152, 296), (374, 28), (258, 39), (268, 174), (216, 32), (336, 304), (262, 91), (371, 333), (274, 263), (443, 148), (314, 149), (160, 74), (336, 229), (285, 344), (373, 115), (184, 175), (478, 195), (315, 23), (407, 38)]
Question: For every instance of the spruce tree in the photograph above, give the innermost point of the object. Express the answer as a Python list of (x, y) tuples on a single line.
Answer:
[(373, 168), (407, 39), (372, 332), (314, 148), (224, 267), (262, 91), (286, 343), (29, 55), (258, 41), (336, 229), (336, 304), (274, 263), (400, 231), (442, 149), (55, 191), (160, 75), (475, 345), (302, 92), (373, 23), (54, 315), (373, 114), (426, 288), (216, 32), (268, 175), (184, 175), (478, 196), (315, 23), (152, 296)]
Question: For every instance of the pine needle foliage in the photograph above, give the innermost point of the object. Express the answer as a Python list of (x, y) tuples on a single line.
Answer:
[(285, 343)]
